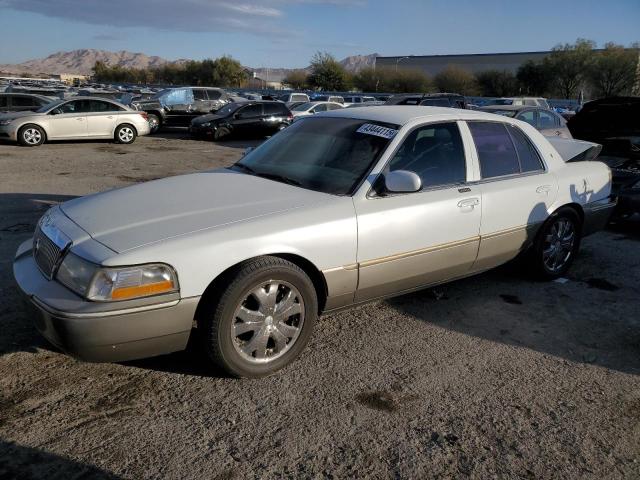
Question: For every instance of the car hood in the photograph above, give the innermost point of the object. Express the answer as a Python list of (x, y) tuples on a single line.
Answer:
[(14, 115), (210, 117), (130, 217)]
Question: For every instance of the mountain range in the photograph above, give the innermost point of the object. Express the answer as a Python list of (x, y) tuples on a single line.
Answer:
[(82, 62)]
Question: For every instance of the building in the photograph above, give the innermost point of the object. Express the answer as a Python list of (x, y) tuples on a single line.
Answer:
[(71, 78), (477, 62)]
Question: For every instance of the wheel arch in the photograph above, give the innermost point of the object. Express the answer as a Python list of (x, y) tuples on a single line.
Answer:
[(214, 289), (39, 125), (576, 207)]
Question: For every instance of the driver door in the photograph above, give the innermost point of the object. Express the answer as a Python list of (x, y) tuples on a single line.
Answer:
[(68, 120), (410, 240)]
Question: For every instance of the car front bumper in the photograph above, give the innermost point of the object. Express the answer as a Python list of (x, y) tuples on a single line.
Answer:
[(198, 130), (102, 332), (597, 214), (8, 132)]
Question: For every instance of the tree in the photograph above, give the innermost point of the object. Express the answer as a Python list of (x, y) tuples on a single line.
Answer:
[(228, 72), (567, 65), (297, 79), (533, 78), (496, 83), (327, 73), (456, 80), (388, 80), (612, 71)]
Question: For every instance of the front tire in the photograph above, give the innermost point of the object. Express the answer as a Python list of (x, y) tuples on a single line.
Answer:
[(31, 136), (125, 134), (221, 133), (556, 245), (263, 320)]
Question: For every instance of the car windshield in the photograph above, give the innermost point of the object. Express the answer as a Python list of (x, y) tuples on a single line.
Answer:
[(326, 154), (504, 113), (303, 107)]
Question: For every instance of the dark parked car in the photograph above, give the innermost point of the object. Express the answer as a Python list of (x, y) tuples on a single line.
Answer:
[(614, 123), (452, 100), (550, 123), (176, 107), (246, 119), (22, 102)]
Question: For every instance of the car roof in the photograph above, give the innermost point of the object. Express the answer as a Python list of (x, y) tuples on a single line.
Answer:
[(509, 107), (403, 114)]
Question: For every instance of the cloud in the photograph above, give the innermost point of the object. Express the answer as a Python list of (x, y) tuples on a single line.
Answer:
[(246, 16)]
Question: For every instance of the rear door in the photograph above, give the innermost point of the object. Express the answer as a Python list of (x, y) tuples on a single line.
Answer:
[(201, 102), (248, 121), (516, 188), (101, 118), (68, 120)]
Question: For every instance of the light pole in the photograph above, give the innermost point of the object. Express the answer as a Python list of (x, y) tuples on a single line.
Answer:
[(399, 60)]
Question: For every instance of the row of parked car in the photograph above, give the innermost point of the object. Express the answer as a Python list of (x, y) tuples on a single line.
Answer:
[(214, 113)]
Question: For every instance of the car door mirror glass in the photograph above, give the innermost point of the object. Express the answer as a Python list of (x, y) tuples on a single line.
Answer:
[(402, 181), (55, 111)]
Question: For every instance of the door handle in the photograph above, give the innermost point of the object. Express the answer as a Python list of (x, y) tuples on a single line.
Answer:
[(80, 119), (543, 189), (110, 117), (469, 202)]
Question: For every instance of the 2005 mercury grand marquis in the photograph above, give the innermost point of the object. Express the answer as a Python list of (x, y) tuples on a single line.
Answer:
[(340, 208)]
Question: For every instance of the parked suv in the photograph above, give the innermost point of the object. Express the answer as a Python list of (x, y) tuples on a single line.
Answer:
[(294, 97), (521, 101), (452, 100), (247, 119), (21, 102), (176, 107)]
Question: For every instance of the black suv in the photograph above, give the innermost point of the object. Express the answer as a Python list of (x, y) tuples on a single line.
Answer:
[(176, 107), (247, 119), (22, 102), (452, 100)]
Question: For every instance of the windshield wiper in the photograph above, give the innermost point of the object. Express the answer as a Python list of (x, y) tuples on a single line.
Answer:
[(244, 167), (279, 178)]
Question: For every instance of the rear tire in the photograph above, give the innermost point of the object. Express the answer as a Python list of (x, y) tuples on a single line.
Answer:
[(262, 320), (125, 134), (31, 136), (154, 123), (556, 244)]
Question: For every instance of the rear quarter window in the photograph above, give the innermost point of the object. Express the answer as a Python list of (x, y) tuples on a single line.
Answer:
[(496, 152)]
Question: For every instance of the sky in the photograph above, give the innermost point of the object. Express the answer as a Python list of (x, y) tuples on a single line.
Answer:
[(286, 33)]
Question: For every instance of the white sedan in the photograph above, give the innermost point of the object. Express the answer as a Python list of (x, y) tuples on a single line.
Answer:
[(78, 118), (340, 208), (311, 108)]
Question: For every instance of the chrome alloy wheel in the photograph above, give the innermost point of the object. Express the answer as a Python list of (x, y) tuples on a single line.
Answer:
[(32, 136), (558, 244), (268, 321), (125, 134), (154, 123)]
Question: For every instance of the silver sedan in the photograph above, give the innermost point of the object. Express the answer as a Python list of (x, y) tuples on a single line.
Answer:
[(77, 118)]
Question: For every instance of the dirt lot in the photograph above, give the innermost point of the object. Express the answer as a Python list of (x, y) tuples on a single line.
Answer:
[(495, 376)]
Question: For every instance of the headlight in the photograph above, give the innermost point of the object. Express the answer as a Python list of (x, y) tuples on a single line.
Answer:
[(5, 122), (206, 124), (105, 284)]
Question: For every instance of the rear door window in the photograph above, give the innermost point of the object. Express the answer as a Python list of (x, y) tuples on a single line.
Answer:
[(214, 94), (200, 94), (529, 116), (547, 120), (20, 101), (3, 102), (530, 161), (496, 152), (99, 106), (251, 111)]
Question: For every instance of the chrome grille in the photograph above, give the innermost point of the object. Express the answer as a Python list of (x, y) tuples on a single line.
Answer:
[(45, 252)]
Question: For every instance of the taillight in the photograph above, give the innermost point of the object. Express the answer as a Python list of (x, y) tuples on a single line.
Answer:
[(144, 115)]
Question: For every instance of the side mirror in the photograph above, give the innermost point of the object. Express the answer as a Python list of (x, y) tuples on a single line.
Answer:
[(402, 181)]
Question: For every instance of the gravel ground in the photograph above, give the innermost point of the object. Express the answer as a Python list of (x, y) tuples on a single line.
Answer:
[(494, 376)]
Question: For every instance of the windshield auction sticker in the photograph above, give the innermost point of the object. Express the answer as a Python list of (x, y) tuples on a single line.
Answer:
[(377, 130)]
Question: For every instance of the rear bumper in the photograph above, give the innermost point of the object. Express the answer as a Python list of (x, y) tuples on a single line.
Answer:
[(99, 332), (597, 214)]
